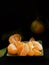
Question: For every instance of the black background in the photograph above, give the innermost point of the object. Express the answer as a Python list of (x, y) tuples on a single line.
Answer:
[(19, 15)]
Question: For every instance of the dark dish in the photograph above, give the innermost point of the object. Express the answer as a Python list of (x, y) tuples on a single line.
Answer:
[(17, 47)]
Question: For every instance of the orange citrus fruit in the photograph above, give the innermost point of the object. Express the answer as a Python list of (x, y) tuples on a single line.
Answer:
[(37, 27), (19, 46), (14, 38), (31, 52), (25, 50), (37, 52), (12, 49), (37, 45), (32, 39)]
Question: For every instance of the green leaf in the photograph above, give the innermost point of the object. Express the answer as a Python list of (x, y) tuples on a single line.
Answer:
[(2, 52)]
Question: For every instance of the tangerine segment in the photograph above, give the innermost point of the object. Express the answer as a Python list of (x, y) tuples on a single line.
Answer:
[(25, 50), (11, 39), (30, 44), (14, 38), (12, 49), (36, 52), (17, 37), (32, 39), (20, 47), (18, 44), (37, 45), (31, 52)]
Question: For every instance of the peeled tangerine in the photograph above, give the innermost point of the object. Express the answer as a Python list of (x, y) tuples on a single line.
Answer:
[(34, 48), (36, 52), (12, 49), (31, 48), (25, 50), (32, 39), (30, 45), (37, 45), (14, 38), (19, 46)]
